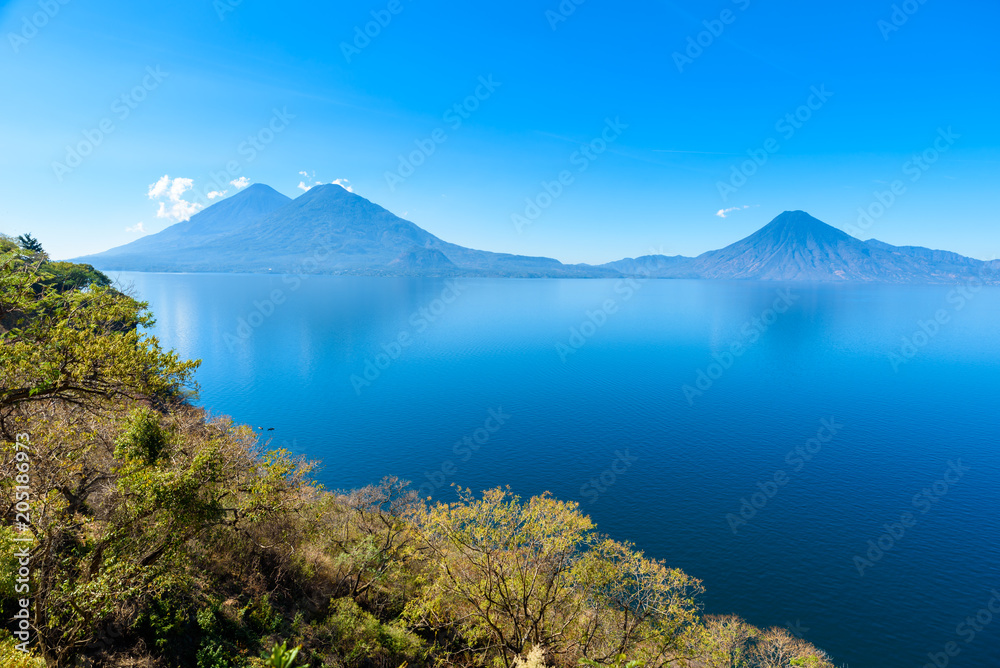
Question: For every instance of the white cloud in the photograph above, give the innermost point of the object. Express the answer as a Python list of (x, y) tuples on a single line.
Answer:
[(240, 183), (179, 187), (303, 187), (175, 207), (179, 210), (137, 228), (216, 193), (160, 187), (721, 213)]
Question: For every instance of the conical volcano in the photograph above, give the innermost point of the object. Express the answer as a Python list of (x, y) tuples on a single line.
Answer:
[(793, 247)]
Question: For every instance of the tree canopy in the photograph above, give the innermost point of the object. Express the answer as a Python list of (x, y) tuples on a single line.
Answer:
[(68, 335), (160, 537), (30, 243)]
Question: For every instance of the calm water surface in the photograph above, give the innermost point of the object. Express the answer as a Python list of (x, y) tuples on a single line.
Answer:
[(823, 398)]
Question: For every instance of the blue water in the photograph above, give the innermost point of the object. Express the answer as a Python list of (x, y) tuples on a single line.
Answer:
[(610, 425)]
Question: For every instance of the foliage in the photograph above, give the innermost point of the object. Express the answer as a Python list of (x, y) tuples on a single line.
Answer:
[(62, 276), (281, 656), (66, 276), (512, 575), (143, 439), (29, 243), (534, 659), (620, 661), (163, 538), (355, 636), (84, 347), (11, 657), (732, 643)]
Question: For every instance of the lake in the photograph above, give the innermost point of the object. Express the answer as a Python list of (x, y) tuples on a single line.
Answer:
[(823, 457)]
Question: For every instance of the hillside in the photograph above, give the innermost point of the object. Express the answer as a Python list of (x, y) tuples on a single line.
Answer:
[(797, 247), (161, 537), (328, 230), (325, 230)]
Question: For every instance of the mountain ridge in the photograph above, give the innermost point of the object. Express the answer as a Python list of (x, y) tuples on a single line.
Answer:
[(259, 230)]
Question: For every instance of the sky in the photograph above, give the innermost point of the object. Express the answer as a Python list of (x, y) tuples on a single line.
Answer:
[(583, 130)]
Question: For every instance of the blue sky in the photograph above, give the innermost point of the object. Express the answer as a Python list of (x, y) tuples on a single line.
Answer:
[(693, 90)]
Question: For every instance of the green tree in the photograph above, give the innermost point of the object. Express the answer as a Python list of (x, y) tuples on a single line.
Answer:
[(369, 531), (637, 606), (728, 642), (513, 575), (65, 276), (30, 243), (84, 347), (503, 568)]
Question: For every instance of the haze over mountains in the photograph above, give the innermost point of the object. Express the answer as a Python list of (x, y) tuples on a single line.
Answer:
[(329, 230), (325, 230)]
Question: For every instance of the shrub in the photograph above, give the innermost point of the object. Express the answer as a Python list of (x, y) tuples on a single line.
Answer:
[(11, 657)]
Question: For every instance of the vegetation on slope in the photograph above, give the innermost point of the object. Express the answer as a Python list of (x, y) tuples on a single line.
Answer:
[(160, 537)]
